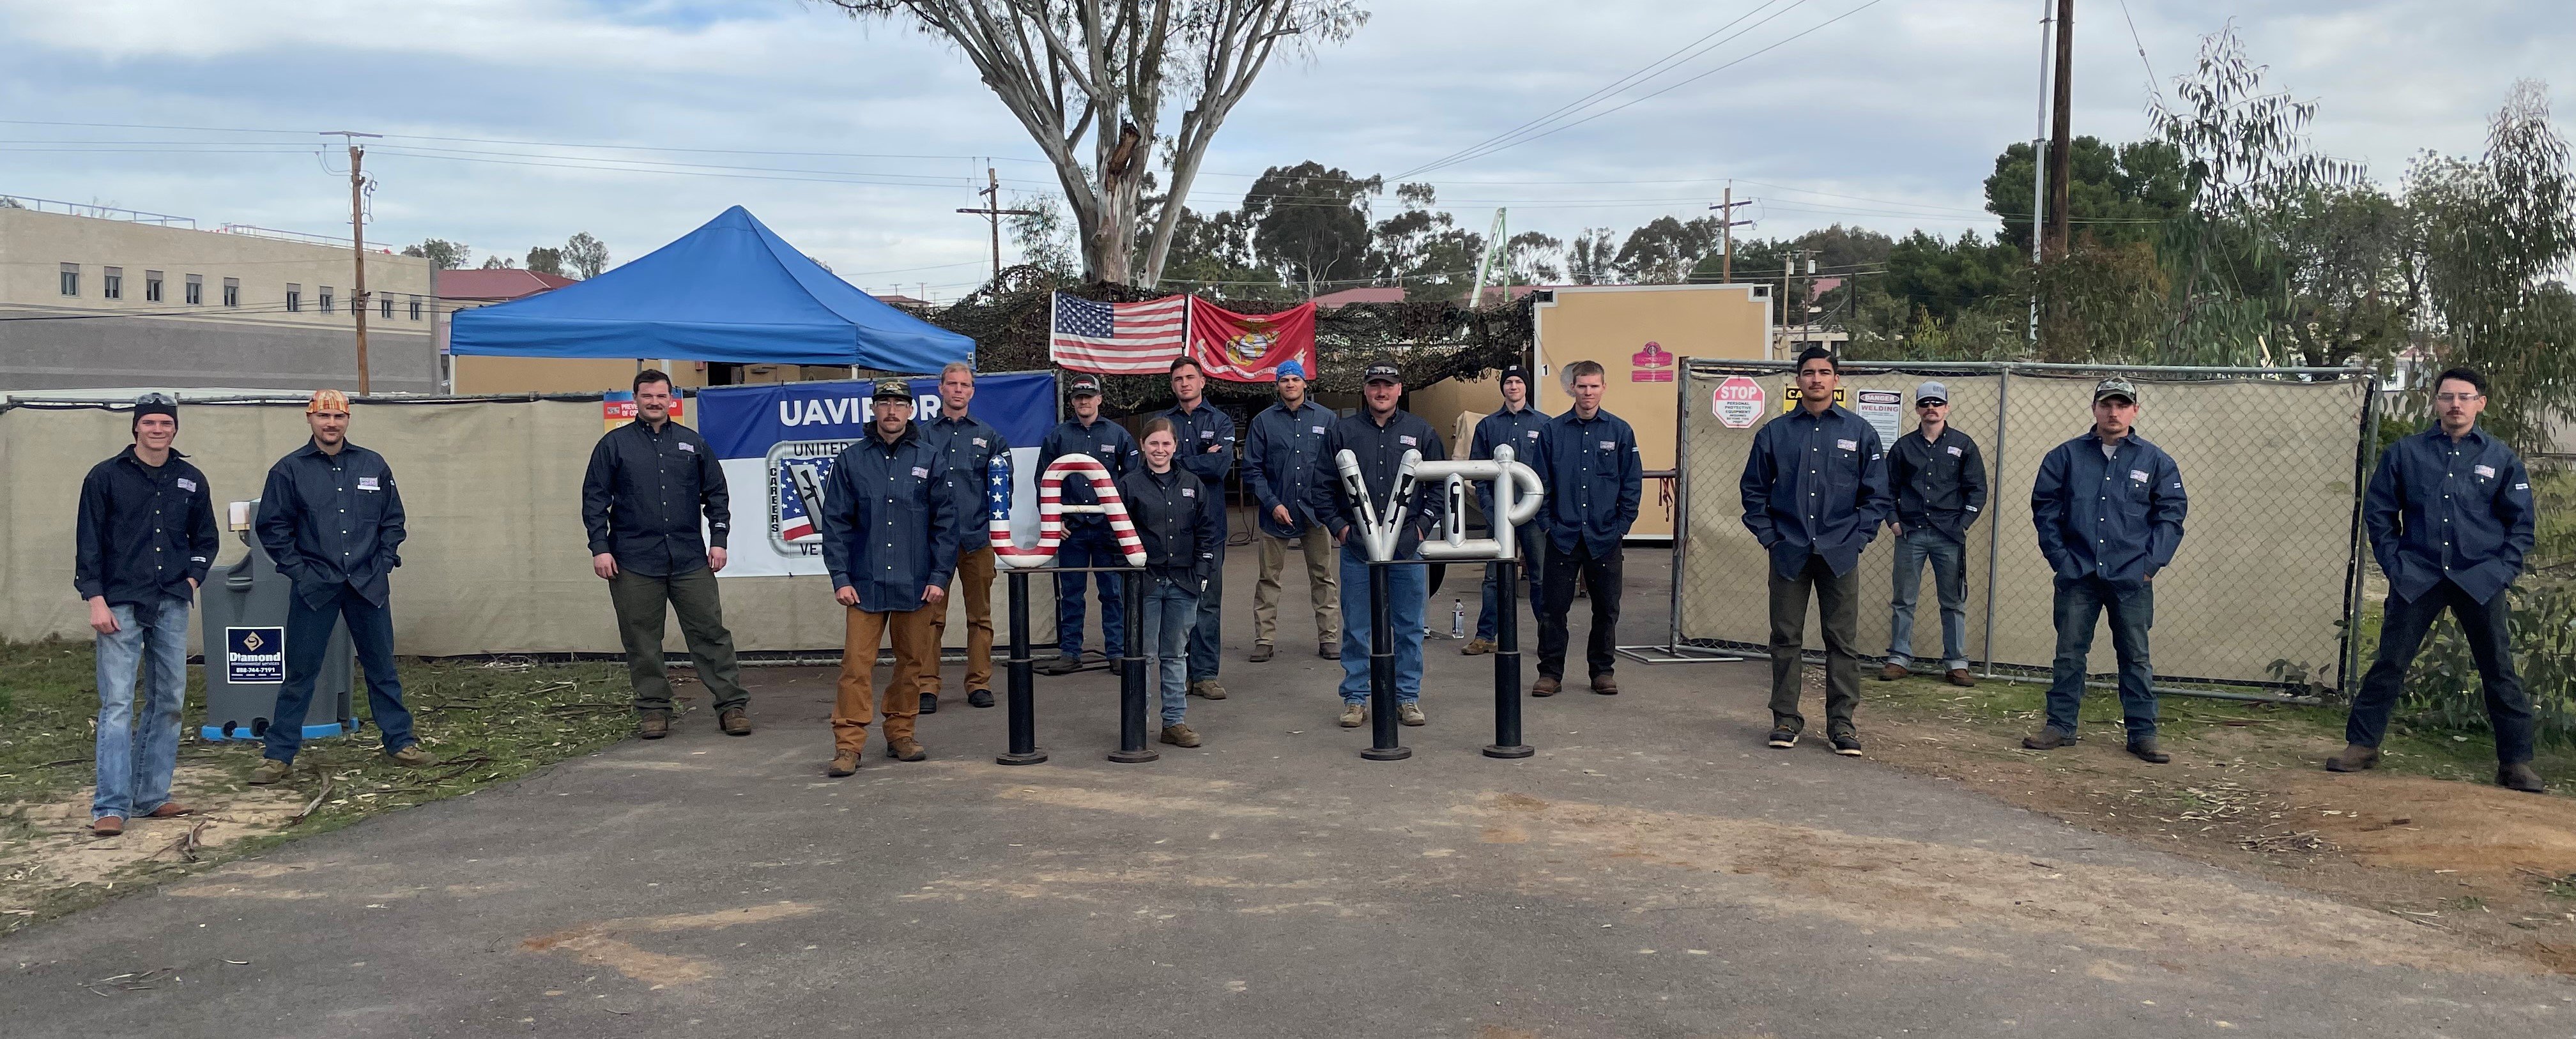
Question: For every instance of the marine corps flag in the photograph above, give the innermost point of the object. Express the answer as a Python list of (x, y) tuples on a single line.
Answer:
[(1251, 347)]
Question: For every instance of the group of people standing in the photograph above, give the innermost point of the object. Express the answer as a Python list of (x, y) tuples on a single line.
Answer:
[(2449, 512)]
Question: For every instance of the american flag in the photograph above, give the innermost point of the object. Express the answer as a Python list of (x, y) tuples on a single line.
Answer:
[(1119, 338), (800, 481)]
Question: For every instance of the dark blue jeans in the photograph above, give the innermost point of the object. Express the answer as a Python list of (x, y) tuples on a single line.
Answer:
[(1090, 545), (1207, 636), (1532, 547), (2080, 605), (2487, 625), (308, 636)]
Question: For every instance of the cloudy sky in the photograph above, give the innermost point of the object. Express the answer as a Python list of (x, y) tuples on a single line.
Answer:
[(512, 123)]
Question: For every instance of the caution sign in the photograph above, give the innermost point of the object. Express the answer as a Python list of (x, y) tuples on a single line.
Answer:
[(255, 656), (1789, 397), (1737, 402)]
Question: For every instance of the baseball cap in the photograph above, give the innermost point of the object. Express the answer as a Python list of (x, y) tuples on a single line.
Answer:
[(893, 389), (1288, 368), (327, 400), (1933, 392), (2114, 387), (1382, 372), (1085, 386)]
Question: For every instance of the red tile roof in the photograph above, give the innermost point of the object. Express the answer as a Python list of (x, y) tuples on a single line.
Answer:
[(494, 284)]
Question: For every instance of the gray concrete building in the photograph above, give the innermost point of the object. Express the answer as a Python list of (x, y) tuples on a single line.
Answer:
[(99, 297)]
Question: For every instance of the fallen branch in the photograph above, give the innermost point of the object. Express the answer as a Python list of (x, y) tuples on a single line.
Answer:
[(309, 806)]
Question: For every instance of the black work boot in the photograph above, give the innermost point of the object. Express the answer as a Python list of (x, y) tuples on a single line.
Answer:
[(2520, 776), (2049, 737), (2144, 748), (2354, 758)]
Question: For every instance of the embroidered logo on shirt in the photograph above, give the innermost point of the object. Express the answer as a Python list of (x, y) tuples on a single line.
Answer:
[(367, 483), (2522, 487), (1847, 445), (2140, 475), (979, 442), (2487, 471), (196, 559), (688, 447), (1609, 444), (1408, 441), (1189, 492), (187, 484), (920, 472), (1207, 434), (1533, 434), (1318, 429), (1954, 452)]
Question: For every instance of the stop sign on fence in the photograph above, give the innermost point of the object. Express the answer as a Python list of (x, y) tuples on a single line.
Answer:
[(1737, 402)]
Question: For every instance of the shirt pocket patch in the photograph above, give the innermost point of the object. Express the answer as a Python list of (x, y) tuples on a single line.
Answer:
[(1954, 452), (367, 483), (1408, 441), (920, 473), (187, 484), (1847, 445), (2485, 471), (688, 447), (1189, 492), (2140, 475)]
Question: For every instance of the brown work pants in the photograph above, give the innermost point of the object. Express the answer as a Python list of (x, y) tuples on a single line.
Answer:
[(1323, 584), (975, 571), (916, 648)]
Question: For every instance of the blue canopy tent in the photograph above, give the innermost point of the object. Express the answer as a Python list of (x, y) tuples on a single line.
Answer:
[(731, 291)]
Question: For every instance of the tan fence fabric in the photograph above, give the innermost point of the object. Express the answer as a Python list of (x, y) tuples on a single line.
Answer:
[(496, 561), (2260, 581)]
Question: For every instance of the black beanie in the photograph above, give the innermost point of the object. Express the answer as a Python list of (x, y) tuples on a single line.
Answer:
[(155, 404)]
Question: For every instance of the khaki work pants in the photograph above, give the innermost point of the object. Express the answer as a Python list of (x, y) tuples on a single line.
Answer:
[(916, 648), (975, 571), (1323, 584)]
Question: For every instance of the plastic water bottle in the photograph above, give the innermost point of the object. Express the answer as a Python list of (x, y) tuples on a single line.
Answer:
[(1457, 618)]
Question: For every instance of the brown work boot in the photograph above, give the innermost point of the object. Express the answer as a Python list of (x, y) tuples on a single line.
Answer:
[(2519, 776), (170, 810), (1605, 684), (843, 763), (1261, 652), (1892, 672), (1410, 713), (1329, 649), (1960, 677), (270, 770), (2049, 737), (2146, 749), (653, 725), (1207, 687), (905, 748), (412, 756), (733, 722), (1354, 715), (1180, 736), (1476, 648), (107, 825), (2354, 758), (1547, 685)]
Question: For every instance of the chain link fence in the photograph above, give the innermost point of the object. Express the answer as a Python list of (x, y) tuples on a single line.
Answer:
[(2263, 591)]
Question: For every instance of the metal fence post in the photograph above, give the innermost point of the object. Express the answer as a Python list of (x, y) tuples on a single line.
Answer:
[(1994, 521), (2356, 575)]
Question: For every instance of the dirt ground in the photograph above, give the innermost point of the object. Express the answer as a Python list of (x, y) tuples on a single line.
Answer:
[(2245, 791)]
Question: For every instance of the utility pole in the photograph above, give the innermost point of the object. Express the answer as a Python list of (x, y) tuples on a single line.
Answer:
[(993, 213), (1788, 276), (1497, 243), (2061, 155), (1727, 223), (2039, 168), (357, 243)]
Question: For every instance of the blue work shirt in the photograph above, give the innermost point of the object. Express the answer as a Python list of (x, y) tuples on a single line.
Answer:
[(1176, 521), (889, 521), (1203, 443), (1102, 439), (144, 531), (2457, 510), (1519, 429), (967, 447), (2117, 517), (1379, 450), (1594, 479), (332, 519), (1279, 461), (1815, 486)]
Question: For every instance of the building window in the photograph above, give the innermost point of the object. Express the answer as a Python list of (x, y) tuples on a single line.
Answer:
[(385, 307), (111, 283), (294, 298), (326, 299), (196, 289), (415, 308), (71, 279), (152, 286), (232, 292)]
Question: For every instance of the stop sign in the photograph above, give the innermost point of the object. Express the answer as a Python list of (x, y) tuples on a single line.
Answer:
[(1737, 402)]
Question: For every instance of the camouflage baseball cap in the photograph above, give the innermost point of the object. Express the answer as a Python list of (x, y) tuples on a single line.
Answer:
[(893, 389), (2115, 387)]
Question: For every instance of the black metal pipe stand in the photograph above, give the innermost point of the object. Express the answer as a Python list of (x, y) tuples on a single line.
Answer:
[(1382, 732), (1131, 678), (1023, 707), (1507, 664)]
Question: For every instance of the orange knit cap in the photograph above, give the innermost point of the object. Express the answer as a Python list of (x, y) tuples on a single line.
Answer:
[(328, 400)]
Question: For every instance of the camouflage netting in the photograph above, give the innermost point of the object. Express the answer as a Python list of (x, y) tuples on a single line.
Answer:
[(1431, 341)]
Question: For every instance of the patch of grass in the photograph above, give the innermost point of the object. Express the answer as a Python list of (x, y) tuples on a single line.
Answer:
[(487, 722)]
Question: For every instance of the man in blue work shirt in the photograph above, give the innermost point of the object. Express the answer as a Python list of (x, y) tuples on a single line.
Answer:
[(2451, 517), (145, 540), (1378, 437), (968, 447), (1517, 424), (2109, 507), (332, 521), (1940, 484), (1087, 538), (1278, 462), (890, 544), (1587, 460), (1815, 492), (1204, 437)]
